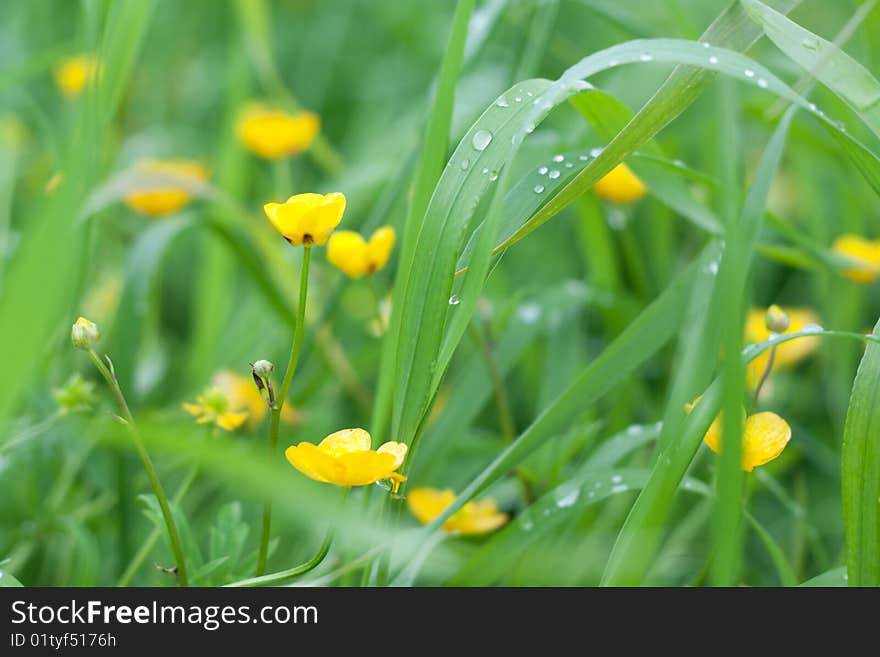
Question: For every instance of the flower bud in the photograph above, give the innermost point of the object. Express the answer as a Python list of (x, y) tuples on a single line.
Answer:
[(84, 334), (777, 320), (263, 368)]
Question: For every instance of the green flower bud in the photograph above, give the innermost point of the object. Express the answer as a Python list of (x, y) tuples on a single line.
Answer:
[(84, 334)]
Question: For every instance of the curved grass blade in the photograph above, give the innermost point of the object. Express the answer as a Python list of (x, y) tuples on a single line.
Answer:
[(860, 472)]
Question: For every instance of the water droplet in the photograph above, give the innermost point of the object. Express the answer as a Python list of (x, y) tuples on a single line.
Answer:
[(812, 107), (706, 44), (454, 300), (530, 128), (619, 488), (518, 99), (543, 171), (616, 479), (538, 189), (583, 158), (493, 176), (558, 158), (646, 57), (595, 152), (679, 164), (763, 83), (810, 43), (529, 313), (591, 494), (501, 102), (553, 174), (481, 139), (485, 169), (812, 328), (529, 94), (569, 499), (568, 165), (713, 59), (527, 525), (749, 73), (465, 163), (711, 268)]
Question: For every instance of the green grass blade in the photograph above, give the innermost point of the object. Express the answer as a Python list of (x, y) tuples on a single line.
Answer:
[(860, 471)]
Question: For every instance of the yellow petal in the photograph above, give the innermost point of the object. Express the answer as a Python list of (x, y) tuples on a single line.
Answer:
[(363, 468), (274, 134), (347, 251), (74, 73), (477, 518), (167, 186), (428, 503), (312, 462), (192, 409), (379, 248), (397, 450), (231, 421), (864, 256), (788, 354), (307, 218), (766, 435), (620, 185), (346, 441)]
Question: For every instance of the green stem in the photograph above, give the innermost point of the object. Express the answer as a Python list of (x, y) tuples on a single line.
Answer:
[(377, 306), (174, 537), (148, 545), (284, 575), (282, 396), (764, 375)]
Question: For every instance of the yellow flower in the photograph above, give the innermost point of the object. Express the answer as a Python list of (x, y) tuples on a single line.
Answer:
[(344, 458), (473, 518), (864, 255), (765, 435), (214, 407), (243, 394), (620, 185), (788, 354), (73, 74), (307, 218), (273, 134), (354, 256), (166, 187)]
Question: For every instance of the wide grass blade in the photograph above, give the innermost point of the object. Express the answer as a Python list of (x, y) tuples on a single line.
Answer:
[(860, 472)]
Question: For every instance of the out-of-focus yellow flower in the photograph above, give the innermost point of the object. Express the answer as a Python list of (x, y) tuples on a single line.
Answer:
[(765, 435), (214, 407), (243, 394), (355, 257), (344, 458), (788, 354), (620, 185), (13, 132), (307, 219), (864, 255), (479, 517), (73, 74), (274, 134), (167, 186)]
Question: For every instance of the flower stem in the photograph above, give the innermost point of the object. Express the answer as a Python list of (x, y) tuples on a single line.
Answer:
[(764, 375), (377, 307), (284, 575), (282, 396), (174, 537)]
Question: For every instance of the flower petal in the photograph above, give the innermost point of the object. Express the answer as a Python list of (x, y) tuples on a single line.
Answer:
[(312, 462), (347, 251), (379, 248), (397, 450), (766, 435), (428, 503), (362, 468), (346, 441)]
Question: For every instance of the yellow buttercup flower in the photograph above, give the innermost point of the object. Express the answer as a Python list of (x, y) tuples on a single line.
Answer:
[(620, 185), (788, 354), (214, 407), (274, 134), (73, 74), (355, 257), (473, 518), (307, 219), (166, 187), (765, 435), (344, 458), (241, 393), (864, 256)]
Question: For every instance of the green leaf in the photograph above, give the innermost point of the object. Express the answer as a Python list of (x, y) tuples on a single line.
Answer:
[(835, 577), (860, 472), (851, 81), (7, 580)]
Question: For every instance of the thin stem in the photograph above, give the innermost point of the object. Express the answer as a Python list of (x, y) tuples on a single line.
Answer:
[(279, 403), (142, 554), (764, 375), (377, 306), (284, 575), (502, 403), (173, 535)]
